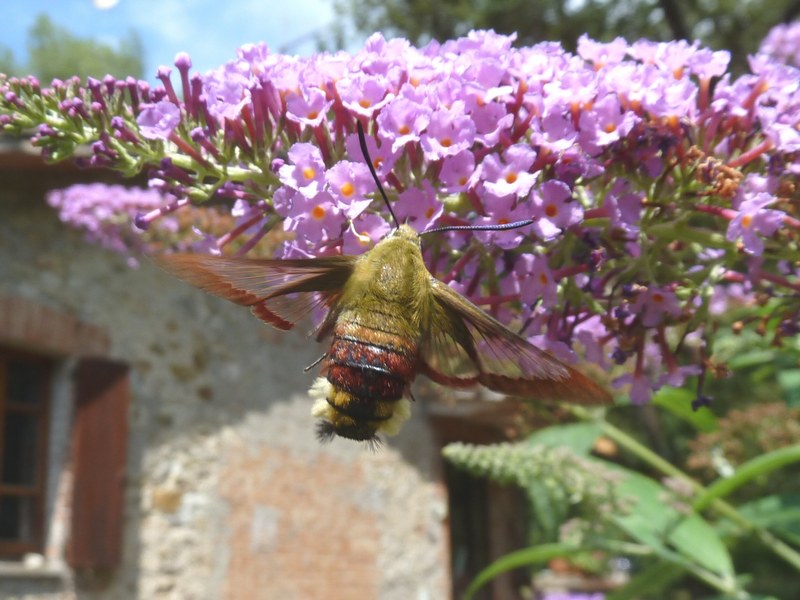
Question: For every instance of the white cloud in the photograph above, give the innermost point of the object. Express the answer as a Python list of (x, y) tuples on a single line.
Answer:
[(104, 4)]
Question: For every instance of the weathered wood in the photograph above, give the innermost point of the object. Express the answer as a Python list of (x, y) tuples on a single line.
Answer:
[(100, 442)]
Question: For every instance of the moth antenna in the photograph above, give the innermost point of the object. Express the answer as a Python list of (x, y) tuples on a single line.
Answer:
[(503, 227), (362, 140)]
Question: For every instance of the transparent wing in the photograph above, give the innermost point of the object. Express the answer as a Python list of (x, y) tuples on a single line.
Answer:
[(279, 292), (466, 346)]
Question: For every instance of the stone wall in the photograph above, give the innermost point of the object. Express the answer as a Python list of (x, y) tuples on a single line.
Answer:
[(229, 494)]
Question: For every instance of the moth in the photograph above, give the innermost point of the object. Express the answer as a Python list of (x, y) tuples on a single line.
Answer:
[(389, 320)]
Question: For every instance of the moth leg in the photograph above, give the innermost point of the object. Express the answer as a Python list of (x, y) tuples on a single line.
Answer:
[(315, 363)]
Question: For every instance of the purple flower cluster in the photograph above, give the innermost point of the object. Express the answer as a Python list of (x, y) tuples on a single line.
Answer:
[(783, 43), (115, 217), (106, 212), (656, 181)]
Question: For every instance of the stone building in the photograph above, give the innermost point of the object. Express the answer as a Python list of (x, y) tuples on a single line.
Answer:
[(156, 442)]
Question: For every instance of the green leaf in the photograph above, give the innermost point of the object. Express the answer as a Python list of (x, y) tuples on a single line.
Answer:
[(751, 359), (522, 558), (789, 380), (549, 515), (651, 581), (578, 437), (661, 527), (678, 401), (760, 465), (779, 512)]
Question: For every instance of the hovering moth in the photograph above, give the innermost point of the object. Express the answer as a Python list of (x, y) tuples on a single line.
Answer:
[(389, 320)]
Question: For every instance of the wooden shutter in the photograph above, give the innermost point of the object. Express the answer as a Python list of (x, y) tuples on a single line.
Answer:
[(100, 443)]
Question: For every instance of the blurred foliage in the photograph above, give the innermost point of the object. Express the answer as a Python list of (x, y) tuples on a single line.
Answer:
[(734, 25), (7, 62), (732, 530), (743, 434), (684, 540), (559, 483), (54, 52)]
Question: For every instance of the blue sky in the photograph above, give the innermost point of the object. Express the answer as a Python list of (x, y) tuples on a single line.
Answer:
[(209, 30)]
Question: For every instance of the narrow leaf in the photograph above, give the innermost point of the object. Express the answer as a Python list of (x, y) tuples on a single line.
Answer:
[(650, 582), (678, 401), (757, 467), (522, 558), (660, 526), (578, 437)]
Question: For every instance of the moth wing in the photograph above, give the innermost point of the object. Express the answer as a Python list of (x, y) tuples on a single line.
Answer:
[(279, 292), (465, 346)]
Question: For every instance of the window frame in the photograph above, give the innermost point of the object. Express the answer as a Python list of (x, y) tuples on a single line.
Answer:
[(11, 549)]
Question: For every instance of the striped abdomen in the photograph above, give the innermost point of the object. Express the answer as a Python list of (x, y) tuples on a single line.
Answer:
[(369, 369)]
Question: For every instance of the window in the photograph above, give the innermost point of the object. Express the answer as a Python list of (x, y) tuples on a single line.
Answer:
[(62, 463), (25, 383)]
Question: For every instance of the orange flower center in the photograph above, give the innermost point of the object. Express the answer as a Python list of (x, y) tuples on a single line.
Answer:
[(673, 121), (551, 210), (347, 189), (309, 173), (511, 178), (318, 212)]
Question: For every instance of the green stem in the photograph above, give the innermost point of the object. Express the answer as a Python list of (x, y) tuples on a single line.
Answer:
[(680, 231)]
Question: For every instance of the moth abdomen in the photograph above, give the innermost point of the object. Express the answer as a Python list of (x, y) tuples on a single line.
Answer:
[(368, 370), (368, 373), (356, 417), (367, 385)]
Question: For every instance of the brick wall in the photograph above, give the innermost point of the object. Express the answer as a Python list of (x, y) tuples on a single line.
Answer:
[(229, 494)]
